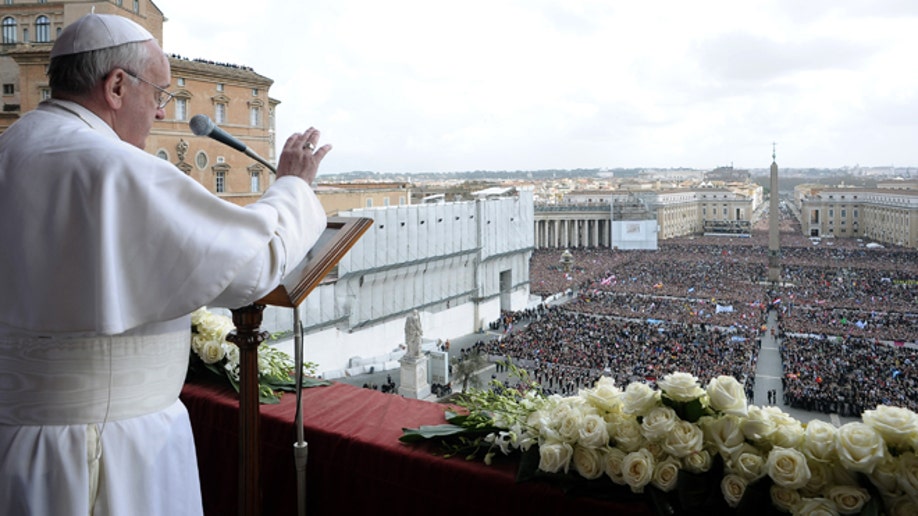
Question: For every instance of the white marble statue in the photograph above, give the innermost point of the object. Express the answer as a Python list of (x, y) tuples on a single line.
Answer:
[(413, 332)]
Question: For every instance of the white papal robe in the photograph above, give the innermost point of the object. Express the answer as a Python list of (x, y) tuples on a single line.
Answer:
[(106, 249)]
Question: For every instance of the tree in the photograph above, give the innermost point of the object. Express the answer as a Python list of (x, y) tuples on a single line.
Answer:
[(467, 369)]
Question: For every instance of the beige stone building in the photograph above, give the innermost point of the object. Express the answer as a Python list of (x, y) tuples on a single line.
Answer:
[(888, 215), (235, 97), (583, 218), (337, 197)]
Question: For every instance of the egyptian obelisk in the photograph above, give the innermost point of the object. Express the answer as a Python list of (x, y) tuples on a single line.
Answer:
[(774, 241)]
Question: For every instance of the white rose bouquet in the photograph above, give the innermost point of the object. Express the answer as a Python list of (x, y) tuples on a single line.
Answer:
[(211, 352), (690, 449)]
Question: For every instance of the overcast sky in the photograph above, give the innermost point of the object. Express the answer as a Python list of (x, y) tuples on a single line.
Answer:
[(430, 86)]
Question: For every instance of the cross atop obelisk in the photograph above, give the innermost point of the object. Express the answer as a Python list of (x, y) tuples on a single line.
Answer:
[(774, 241)]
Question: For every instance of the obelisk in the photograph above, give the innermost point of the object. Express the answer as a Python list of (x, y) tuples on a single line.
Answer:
[(774, 241)]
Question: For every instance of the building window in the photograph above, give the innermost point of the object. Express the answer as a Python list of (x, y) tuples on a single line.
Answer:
[(255, 116), (254, 92), (220, 113), (385, 201), (42, 29), (162, 154), (136, 6), (401, 200), (219, 86), (8, 2), (9, 29), (200, 159), (256, 181), (9, 89), (180, 81), (831, 213), (25, 34), (45, 93), (181, 109), (844, 213), (370, 202), (220, 185)]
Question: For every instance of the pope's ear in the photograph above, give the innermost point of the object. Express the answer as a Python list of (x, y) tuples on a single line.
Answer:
[(114, 88)]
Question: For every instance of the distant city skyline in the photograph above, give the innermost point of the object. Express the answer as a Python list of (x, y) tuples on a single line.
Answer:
[(411, 86)]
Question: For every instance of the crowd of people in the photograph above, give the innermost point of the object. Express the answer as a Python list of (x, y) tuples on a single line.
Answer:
[(847, 375), (564, 350), (700, 286)]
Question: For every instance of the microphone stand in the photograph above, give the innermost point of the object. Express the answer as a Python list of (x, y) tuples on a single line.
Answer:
[(300, 447)]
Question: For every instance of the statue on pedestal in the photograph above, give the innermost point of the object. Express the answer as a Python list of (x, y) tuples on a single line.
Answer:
[(413, 332), (414, 364)]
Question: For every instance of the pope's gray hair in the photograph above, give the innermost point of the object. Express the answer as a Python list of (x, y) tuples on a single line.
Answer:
[(78, 74)]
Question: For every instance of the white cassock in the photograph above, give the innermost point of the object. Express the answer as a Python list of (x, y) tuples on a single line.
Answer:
[(106, 250)]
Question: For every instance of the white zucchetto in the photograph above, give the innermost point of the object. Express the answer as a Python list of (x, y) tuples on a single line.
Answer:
[(98, 31)]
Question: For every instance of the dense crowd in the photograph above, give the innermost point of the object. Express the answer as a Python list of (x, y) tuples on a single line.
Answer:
[(692, 288), (565, 350), (847, 375)]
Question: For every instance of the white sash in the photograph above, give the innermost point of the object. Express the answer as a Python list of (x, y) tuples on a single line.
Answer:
[(65, 381)]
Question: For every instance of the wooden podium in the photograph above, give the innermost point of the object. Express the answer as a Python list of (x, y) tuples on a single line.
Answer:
[(341, 233)]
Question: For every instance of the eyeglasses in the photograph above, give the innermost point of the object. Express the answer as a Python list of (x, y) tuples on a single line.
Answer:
[(163, 97)]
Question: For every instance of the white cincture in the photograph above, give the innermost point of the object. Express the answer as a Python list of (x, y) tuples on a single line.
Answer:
[(66, 381)]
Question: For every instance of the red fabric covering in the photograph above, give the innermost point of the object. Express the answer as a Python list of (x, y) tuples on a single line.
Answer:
[(357, 464)]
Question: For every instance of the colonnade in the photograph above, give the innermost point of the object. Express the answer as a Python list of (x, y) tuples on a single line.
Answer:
[(575, 231)]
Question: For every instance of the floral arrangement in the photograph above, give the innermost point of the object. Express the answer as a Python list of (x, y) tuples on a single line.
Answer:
[(692, 449), (210, 351)]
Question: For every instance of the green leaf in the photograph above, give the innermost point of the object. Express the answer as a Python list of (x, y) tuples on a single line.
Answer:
[(692, 411), (413, 435)]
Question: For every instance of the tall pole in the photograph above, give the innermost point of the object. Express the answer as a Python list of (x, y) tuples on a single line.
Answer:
[(774, 241)]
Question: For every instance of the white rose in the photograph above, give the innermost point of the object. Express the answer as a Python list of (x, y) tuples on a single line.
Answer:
[(588, 462), (725, 433), (665, 475), (198, 315), (886, 476), (637, 468), (681, 387), (733, 487), (897, 425), (787, 467), (758, 425), (697, 462), (540, 422), (748, 463), (639, 399), (820, 476), (908, 473), (902, 506), (788, 433), (613, 464), (604, 396), (212, 352), (859, 447), (626, 433), (568, 422), (784, 499), (819, 440), (555, 457), (593, 432), (848, 499), (817, 507), (656, 450), (684, 439), (658, 422), (727, 395)]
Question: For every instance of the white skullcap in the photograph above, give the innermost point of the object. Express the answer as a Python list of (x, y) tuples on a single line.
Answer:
[(98, 31)]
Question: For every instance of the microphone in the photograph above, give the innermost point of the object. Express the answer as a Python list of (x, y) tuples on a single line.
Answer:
[(202, 125)]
